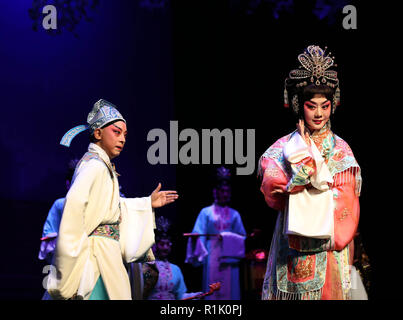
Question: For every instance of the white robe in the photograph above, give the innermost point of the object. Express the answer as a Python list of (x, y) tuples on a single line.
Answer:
[(80, 259)]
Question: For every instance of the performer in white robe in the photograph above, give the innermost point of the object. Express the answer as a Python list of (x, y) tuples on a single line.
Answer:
[(99, 229)]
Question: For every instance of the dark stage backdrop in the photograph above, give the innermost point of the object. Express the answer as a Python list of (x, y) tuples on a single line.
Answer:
[(207, 64), (49, 84), (230, 68)]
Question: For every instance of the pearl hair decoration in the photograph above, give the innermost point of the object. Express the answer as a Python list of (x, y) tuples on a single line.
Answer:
[(314, 69)]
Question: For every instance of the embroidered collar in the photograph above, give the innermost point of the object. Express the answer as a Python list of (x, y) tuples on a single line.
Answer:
[(324, 140), (102, 154)]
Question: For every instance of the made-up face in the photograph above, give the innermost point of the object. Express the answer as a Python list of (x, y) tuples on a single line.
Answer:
[(317, 112), (163, 248), (112, 138), (222, 195)]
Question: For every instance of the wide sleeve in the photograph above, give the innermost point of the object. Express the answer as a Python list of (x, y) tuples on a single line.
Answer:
[(346, 217), (51, 230), (237, 225), (233, 247), (201, 223), (180, 286), (196, 249), (300, 158), (52, 223), (201, 227), (347, 211), (273, 177), (136, 228), (73, 244)]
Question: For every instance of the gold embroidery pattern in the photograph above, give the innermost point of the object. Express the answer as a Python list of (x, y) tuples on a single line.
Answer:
[(272, 172), (299, 269), (344, 214), (304, 269), (111, 231)]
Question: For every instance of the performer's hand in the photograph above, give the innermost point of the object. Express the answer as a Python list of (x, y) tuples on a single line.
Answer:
[(161, 198), (303, 132), (279, 189), (298, 189)]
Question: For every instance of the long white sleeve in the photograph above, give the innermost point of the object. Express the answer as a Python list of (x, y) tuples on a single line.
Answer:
[(137, 227)]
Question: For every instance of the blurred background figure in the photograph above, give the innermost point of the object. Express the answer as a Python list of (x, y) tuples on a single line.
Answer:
[(253, 267), (52, 223), (361, 270), (218, 242), (143, 276), (170, 284)]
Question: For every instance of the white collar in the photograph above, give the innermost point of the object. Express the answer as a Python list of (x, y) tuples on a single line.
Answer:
[(101, 152)]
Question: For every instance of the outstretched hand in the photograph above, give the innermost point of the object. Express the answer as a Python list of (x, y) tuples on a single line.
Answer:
[(161, 198)]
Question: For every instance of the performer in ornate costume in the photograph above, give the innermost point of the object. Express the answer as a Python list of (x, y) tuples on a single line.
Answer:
[(220, 245), (171, 284), (99, 229), (52, 222), (312, 178)]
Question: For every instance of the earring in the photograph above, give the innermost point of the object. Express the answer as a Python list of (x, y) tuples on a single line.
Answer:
[(337, 95), (295, 105), (286, 104)]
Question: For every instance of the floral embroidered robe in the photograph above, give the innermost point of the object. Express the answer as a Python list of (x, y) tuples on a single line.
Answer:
[(308, 268), (170, 285), (98, 231)]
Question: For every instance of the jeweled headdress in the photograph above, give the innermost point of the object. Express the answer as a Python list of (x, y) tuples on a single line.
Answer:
[(223, 177), (163, 224), (163, 228), (101, 114), (223, 173), (315, 69)]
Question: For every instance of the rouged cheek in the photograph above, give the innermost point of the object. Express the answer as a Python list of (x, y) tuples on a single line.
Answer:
[(326, 114), (308, 114)]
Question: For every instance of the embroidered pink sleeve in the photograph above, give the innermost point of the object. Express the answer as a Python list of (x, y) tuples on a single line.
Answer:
[(273, 177), (347, 211)]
